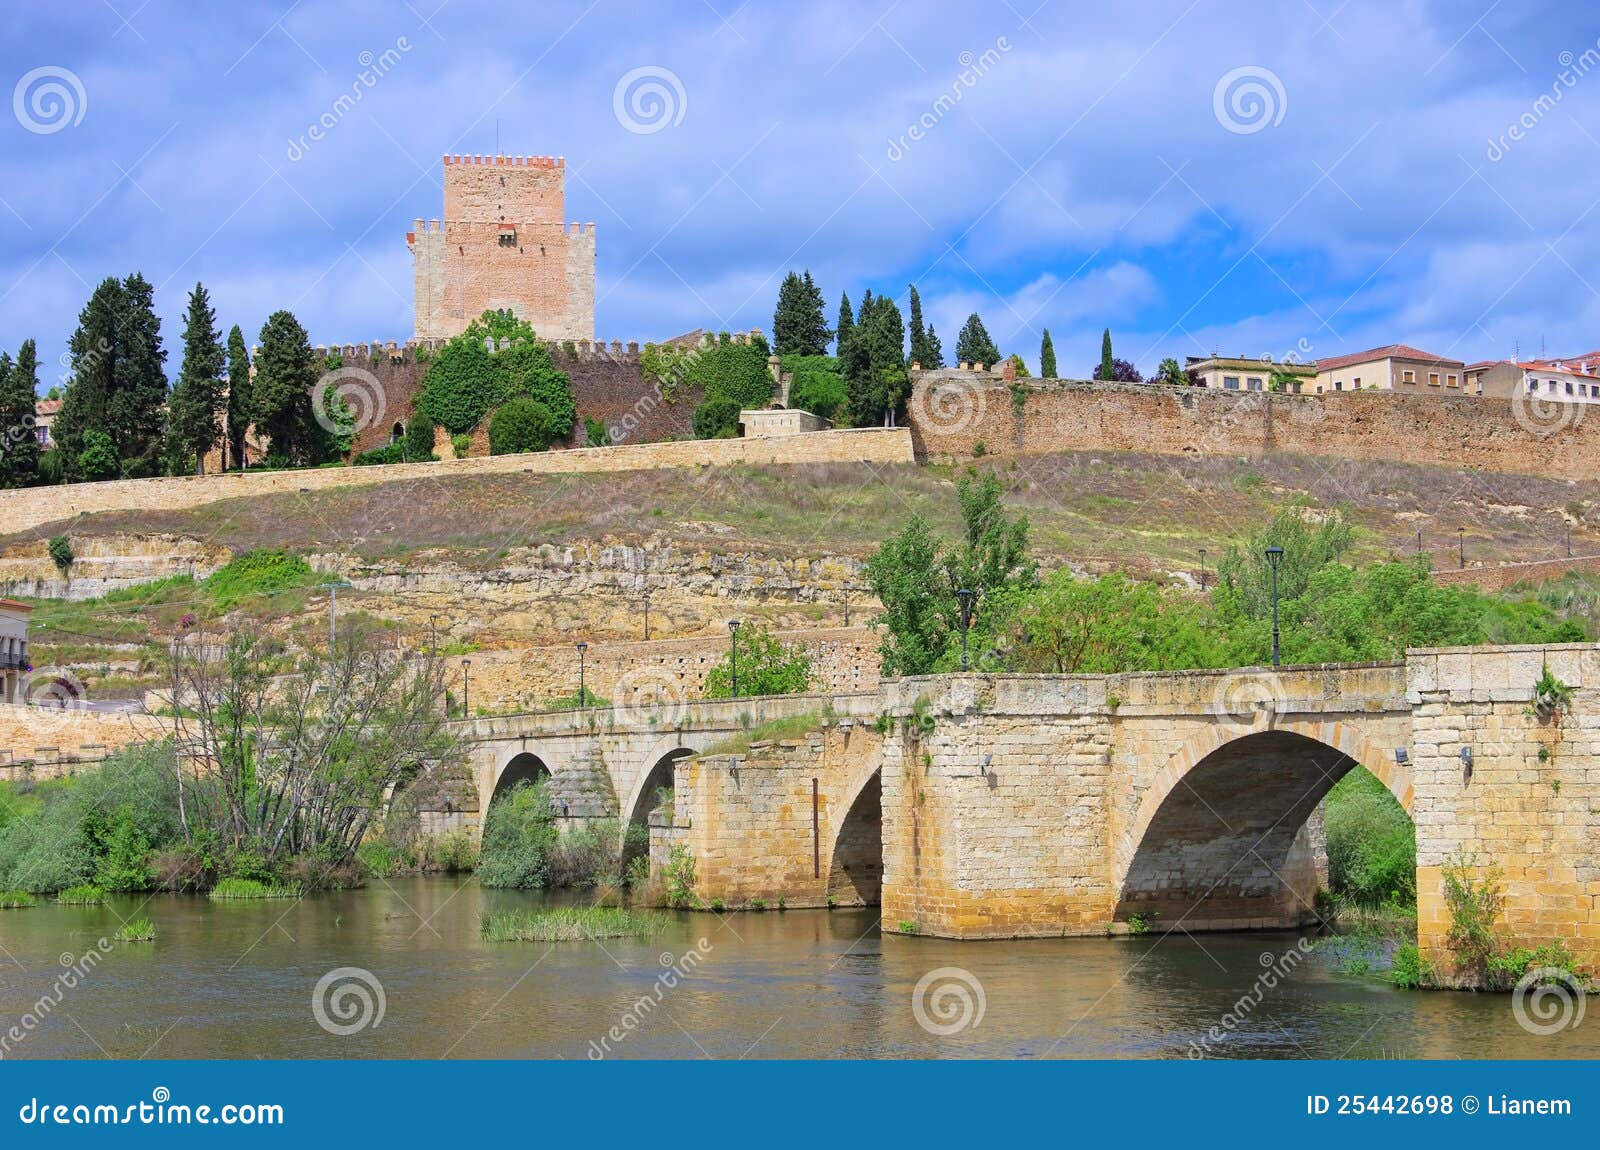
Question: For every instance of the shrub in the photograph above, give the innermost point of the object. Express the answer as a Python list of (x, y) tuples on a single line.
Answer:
[(392, 453), (716, 419), (518, 835), (595, 433), (264, 571), (15, 899), (1474, 901), (520, 425), (820, 392), (679, 876), (61, 553), (587, 856), (452, 852), (419, 438), (1408, 970), (465, 381), (1372, 843), (83, 894), (460, 445)]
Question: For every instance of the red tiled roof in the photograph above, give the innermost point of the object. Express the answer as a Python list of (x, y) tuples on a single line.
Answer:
[(1392, 351), (46, 406), (13, 605)]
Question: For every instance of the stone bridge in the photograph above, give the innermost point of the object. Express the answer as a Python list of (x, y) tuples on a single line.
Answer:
[(986, 806)]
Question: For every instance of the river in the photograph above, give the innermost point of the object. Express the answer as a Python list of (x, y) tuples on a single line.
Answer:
[(236, 980)]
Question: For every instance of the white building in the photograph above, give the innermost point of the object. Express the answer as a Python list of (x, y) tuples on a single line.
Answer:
[(13, 649)]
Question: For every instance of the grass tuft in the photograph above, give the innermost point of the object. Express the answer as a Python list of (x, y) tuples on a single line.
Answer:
[(245, 888), (84, 894), (136, 930), (15, 899), (571, 924)]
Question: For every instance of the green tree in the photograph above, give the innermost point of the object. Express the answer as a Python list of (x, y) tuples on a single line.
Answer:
[(1172, 373), (1108, 364), (916, 576), (419, 438), (876, 372), (974, 346), (732, 376), (1047, 357), (933, 351), (241, 412), (520, 425), (767, 666), (98, 459), (286, 377), (799, 326), (195, 410), (819, 391), (716, 419), (19, 438), (118, 385), (846, 325), (924, 344)]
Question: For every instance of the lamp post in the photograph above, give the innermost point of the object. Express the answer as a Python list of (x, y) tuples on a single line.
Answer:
[(433, 632), (733, 653), (465, 709), (965, 595), (647, 614), (1461, 548), (1419, 541), (1274, 557), (1569, 542), (333, 614), (1202, 569), (583, 692), (847, 603)]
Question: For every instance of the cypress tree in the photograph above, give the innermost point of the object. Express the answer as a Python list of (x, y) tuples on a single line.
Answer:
[(919, 334), (118, 386), (1108, 366), (933, 350), (846, 326), (286, 373), (815, 333), (240, 412), (195, 410), (974, 346), (788, 320), (19, 450), (1047, 357)]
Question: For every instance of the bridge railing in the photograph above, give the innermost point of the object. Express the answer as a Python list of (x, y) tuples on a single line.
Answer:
[(664, 714)]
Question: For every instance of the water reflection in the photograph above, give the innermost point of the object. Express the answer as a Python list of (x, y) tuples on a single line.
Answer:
[(236, 980)]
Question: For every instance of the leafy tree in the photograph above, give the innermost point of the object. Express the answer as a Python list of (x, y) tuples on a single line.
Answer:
[(1018, 367), (98, 459), (519, 835), (282, 394), (1172, 373), (799, 326), (916, 576), (520, 425), (1047, 357), (819, 391), (767, 666), (19, 439), (876, 366), (1372, 843), (195, 409), (1108, 368), (1124, 372), (118, 385), (973, 345), (465, 380), (241, 412)]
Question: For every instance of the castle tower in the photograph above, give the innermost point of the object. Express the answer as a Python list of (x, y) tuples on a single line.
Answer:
[(503, 243)]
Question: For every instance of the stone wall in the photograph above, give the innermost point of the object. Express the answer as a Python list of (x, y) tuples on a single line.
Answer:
[(42, 742), (37, 506), (1498, 578), (103, 563), (631, 675), (1530, 804), (952, 411)]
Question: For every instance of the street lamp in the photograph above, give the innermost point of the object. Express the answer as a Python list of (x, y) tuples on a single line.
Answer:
[(847, 602), (433, 632), (333, 614), (965, 595), (733, 652), (465, 710), (1274, 557), (1202, 569), (1461, 548), (583, 693), (647, 614)]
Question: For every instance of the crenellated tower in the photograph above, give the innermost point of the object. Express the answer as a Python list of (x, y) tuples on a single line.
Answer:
[(504, 243)]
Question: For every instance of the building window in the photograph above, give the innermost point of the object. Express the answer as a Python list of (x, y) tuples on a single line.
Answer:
[(1355, 383), (1408, 377), (1230, 382), (1252, 384), (1552, 387), (1533, 385), (1433, 379), (1338, 385), (1450, 380)]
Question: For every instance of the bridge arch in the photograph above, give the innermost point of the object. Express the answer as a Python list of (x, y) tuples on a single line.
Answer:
[(1219, 839), (855, 857), (657, 776), (522, 767)]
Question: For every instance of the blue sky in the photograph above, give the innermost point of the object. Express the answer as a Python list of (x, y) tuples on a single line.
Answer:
[(1096, 169)]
